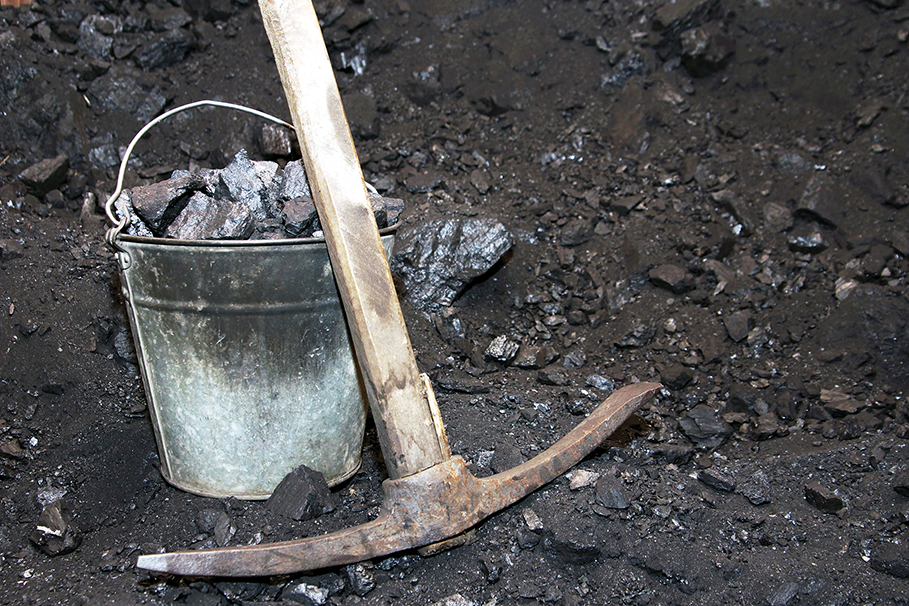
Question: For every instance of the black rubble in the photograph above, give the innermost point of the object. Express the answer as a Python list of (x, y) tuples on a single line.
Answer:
[(245, 200), (755, 150)]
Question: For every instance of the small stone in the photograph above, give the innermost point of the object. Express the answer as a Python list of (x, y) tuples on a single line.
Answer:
[(756, 488), (610, 493), (575, 359), (641, 334), (900, 484), (572, 548), (824, 499), (95, 37), (534, 358), (300, 217), (738, 325), (840, 404), (675, 376), (136, 226), (623, 206), (577, 318), (304, 593), (303, 494), (777, 217), (266, 171), (600, 382), (680, 15), (55, 198), (673, 453), (439, 259), (704, 427), (873, 263), (167, 50), (582, 478), (553, 376), (224, 530), (480, 180), (293, 182), (455, 599), (205, 218), (12, 448), (717, 479), (207, 518), (784, 594), (506, 457), (765, 426), (822, 200), (492, 566), (532, 520), (707, 49), (874, 184), (806, 239), (448, 325), (10, 249), (240, 182), (843, 287), (529, 414), (853, 426), (55, 533), (501, 349), (892, 559), (393, 207), (671, 277), (360, 579), (576, 232), (46, 175), (868, 112), (738, 207), (460, 386), (275, 141), (160, 203), (423, 182)]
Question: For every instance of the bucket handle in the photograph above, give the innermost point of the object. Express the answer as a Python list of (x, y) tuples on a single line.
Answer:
[(120, 224)]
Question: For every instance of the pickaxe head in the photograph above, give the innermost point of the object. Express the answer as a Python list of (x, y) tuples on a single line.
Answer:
[(420, 509)]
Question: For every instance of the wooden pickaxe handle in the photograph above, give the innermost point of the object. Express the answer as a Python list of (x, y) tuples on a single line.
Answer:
[(409, 429)]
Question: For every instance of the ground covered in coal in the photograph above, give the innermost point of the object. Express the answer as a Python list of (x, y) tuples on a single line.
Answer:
[(706, 193)]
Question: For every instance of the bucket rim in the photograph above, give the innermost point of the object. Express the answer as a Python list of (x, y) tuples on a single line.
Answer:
[(385, 231)]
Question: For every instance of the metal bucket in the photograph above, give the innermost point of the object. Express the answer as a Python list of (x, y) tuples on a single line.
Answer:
[(245, 355), (246, 360)]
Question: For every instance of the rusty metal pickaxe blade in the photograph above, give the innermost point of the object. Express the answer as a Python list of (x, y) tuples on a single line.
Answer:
[(419, 509)]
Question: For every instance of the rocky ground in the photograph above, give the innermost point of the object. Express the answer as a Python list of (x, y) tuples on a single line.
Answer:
[(706, 193)]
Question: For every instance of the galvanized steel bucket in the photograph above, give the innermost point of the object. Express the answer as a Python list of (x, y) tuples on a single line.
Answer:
[(245, 357)]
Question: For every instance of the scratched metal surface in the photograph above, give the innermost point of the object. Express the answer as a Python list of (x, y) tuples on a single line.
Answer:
[(246, 362)]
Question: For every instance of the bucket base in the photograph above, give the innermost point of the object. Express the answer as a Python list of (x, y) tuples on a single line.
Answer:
[(250, 497)]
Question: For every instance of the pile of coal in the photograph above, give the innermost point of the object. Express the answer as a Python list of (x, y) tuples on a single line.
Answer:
[(246, 200)]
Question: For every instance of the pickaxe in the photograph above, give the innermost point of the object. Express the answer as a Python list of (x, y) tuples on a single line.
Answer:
[(430, 495)]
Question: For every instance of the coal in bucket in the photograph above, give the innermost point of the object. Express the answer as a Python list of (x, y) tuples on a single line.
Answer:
[(245, 357)]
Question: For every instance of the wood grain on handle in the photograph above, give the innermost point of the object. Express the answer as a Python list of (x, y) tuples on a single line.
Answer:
[(403, 418)]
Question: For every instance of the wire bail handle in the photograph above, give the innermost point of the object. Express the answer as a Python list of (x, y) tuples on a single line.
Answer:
[(119, 224)]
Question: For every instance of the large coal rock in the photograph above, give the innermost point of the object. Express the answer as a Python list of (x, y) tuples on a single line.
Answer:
[(439, 259)]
